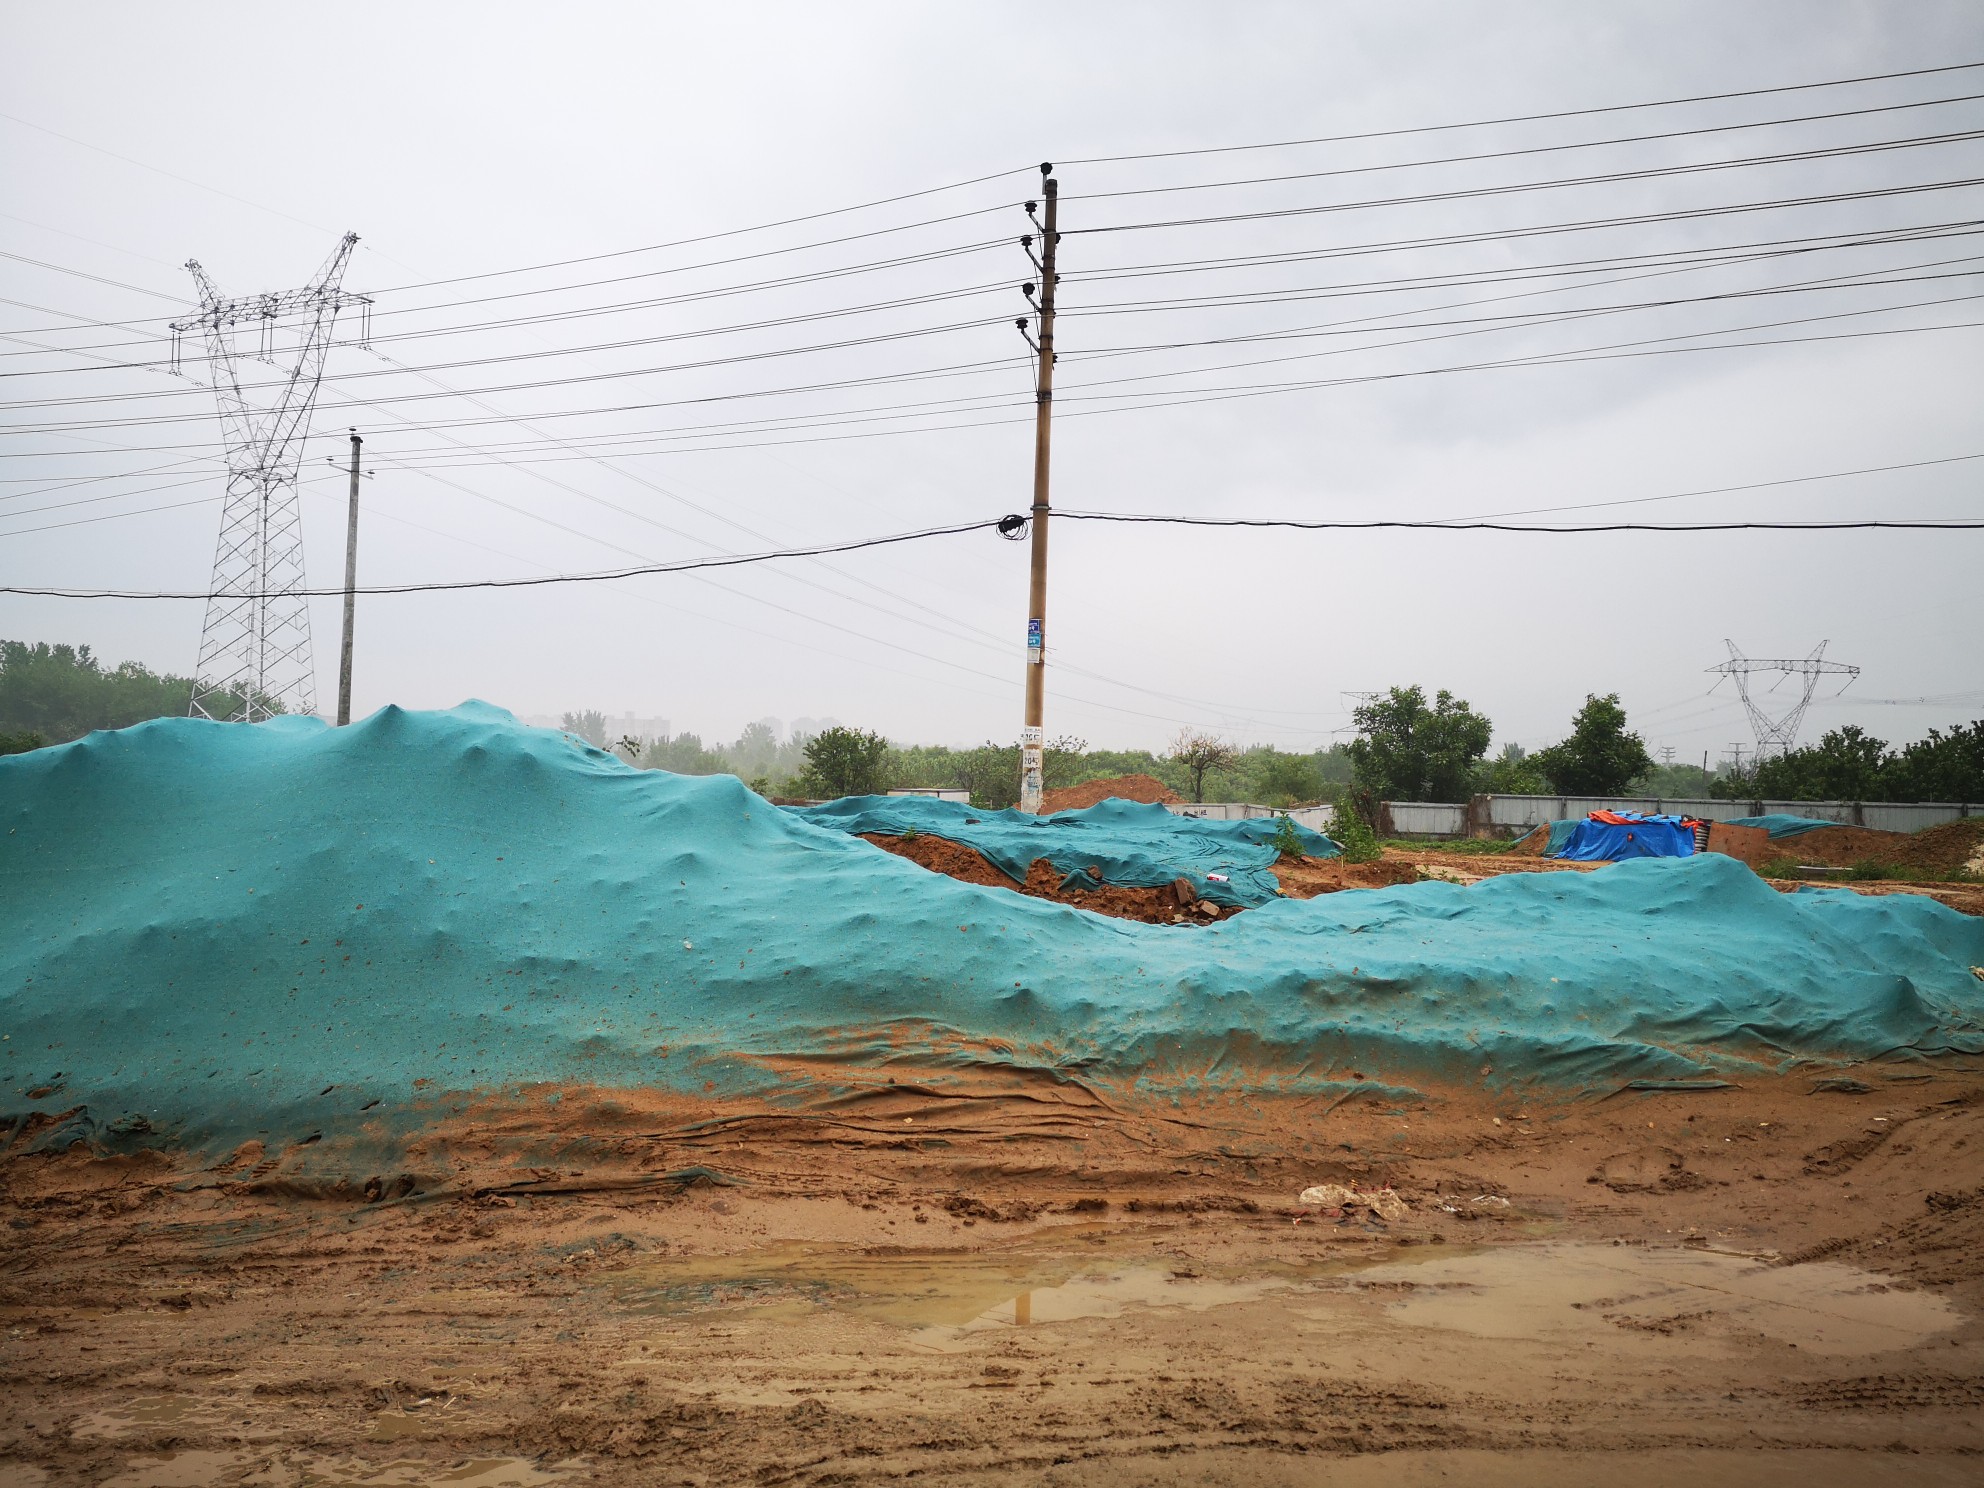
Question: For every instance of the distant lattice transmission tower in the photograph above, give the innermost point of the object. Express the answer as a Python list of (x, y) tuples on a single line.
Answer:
[(255, 646), (1776, 735)]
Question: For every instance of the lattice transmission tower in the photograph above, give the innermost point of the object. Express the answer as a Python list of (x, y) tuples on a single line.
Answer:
[(255, 646), (1776, 735)]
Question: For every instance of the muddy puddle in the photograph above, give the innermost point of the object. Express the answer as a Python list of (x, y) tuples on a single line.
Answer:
[(1533, 1291), (946, 1296), (1708, 1296)]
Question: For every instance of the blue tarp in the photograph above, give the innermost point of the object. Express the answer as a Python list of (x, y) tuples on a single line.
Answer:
[(217, 931), (1594, 841), (1779, 825), (1131, 843)]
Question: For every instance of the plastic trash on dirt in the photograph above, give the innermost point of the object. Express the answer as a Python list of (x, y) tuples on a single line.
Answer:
[(1336, 1196)]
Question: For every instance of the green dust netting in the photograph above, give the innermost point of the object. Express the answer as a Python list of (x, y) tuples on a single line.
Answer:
[(1117, 842), (223, 929)]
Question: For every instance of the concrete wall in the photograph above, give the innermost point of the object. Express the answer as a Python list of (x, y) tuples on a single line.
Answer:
[(1425, 819), (1912, 816), (1512, 816), (1315, 818)]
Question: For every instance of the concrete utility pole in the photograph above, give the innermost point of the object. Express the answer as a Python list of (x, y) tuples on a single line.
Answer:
[(350, 590), (1033, 737)]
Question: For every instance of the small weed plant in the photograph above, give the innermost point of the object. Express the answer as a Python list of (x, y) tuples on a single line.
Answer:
[(1286, 841), (1352, 833)]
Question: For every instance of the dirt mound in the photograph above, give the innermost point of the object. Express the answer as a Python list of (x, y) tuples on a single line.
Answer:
[(1300, 878), (1532, 844), (1839, 847), (1158, 906), (1305, 878), (1938, 850), (1146, 788), (1942, 849)]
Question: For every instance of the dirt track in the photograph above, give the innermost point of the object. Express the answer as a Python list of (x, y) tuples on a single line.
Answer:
[(1770, 1284)]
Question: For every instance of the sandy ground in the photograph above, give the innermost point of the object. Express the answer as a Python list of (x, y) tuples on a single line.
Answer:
[(1001, 1280)]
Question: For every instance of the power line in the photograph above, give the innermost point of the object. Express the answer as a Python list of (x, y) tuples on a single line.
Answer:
[(1385, 523), (1708, 256), (1658, 136), (155, 420), (1783, 157), (1612, 352), (1615, 108), (42, 263), (1647, 173), (1789, 480), (1510, 154), (1501, 235), (735, 560)]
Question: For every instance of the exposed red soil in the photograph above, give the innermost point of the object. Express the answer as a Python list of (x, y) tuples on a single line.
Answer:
[(1531, 844), (1841, 847), (1942, 849), (1305, 878), (1146, 788), (1300, 878), (1158, 906)]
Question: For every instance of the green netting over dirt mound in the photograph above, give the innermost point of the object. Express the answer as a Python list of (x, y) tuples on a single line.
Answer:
[(218, 930), (1116, 842)]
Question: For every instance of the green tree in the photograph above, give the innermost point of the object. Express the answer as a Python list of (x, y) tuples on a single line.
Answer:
[(1686, 782), (1406, 751), (991, 773), (21, 743), (1600, 758), (846, 762), (1943, 767), (1283, 779), (1847, 764), (683, 754), (1061, 762), (61, 692), (1197, 753), (755, 753), (1513, 772), (1351, 830), (589, 725)]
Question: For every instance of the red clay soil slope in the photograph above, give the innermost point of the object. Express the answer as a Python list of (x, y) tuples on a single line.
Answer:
[(1146, 788)]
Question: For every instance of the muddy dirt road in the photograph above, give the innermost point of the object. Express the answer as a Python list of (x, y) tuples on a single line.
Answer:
[(999, 1283)]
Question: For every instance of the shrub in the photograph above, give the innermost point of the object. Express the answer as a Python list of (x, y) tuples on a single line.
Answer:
[(1352, 833)]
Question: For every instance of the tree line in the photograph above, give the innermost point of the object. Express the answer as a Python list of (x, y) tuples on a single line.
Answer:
[(1405, 747), (1848, 764), (52, 693)]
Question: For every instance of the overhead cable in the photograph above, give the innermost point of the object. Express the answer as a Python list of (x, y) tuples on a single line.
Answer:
[(735, 560), (1614, 108)]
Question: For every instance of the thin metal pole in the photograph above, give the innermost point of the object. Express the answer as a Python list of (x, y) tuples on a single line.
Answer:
[(350, 590), (1033, 737)]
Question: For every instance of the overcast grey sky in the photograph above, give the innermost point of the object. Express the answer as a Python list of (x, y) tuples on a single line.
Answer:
[(483, 139)]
